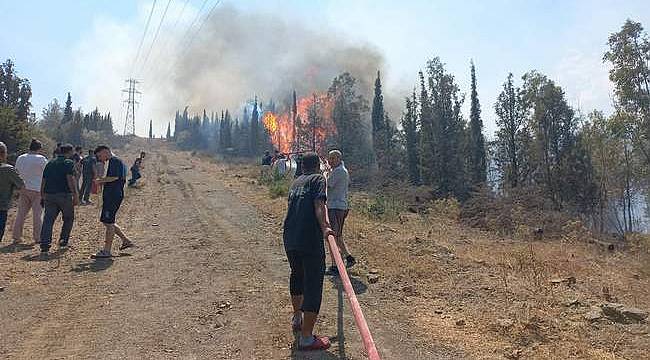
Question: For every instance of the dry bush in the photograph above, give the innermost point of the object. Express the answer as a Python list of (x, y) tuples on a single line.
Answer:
[(448, 208), (523, 212)]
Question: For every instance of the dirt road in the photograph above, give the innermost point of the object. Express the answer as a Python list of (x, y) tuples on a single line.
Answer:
[(208, 280)]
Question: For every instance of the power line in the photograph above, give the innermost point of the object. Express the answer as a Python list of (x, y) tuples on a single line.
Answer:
[(153, 42), (205, 19), (144, 35), (196, 18), (165, 41), (189, 30)]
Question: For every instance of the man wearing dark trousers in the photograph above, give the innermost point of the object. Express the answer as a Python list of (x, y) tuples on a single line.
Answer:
[(59, 195), (338, 183), (88, 174), (305, 228)]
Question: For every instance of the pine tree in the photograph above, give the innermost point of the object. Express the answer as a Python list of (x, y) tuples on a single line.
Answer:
[(511, 134), (443, 130), (476, 142), (348, 113), (409, 126), (75, 128)]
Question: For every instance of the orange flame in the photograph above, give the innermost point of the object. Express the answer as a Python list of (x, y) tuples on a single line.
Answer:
[(313, 125)]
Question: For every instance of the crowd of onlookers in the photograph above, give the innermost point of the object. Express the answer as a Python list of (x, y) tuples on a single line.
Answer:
[(51, 187)]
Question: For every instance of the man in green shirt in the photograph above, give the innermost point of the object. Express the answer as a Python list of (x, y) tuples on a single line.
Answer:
[(59, 194), (9, 180)]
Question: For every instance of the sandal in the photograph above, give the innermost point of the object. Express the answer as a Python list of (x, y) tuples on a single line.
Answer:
[(126, 244), (320, 343)]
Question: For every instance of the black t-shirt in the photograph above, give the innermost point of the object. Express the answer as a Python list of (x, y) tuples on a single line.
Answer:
[(267, 160), (302, 232), (56, 174), (114, 190)]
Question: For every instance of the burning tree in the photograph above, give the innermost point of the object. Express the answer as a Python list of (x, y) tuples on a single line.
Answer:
[(308, 126)]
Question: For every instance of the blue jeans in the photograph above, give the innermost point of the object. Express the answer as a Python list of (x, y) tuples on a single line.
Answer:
[(3, 222), (55, 204), (135, 175)]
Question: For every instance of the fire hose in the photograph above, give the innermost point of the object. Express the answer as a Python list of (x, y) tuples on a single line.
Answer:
[(359, 319)]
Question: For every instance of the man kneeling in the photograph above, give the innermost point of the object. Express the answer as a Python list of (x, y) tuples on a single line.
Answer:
[(113, 195), (305, 227)]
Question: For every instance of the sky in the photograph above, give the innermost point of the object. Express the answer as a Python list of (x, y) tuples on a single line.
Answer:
[(88, 47)]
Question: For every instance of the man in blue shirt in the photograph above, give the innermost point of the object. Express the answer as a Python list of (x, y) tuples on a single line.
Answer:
[(113, 195)]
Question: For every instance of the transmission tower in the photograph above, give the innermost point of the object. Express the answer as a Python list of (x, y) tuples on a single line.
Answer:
[(131, 102)]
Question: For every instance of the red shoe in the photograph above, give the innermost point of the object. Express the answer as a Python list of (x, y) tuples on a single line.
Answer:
[(320, 343)]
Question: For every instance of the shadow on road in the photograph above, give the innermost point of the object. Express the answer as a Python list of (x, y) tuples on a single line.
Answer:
[(93, 265), (13, 248), (313, 355), (56, 255)]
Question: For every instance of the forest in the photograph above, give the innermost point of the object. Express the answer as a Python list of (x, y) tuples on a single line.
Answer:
[(546, 160)]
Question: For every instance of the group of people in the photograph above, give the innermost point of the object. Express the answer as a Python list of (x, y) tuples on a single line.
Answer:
[(317, 208), (51, 187)]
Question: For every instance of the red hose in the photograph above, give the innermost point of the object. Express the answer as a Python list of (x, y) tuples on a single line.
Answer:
[(364, 331)]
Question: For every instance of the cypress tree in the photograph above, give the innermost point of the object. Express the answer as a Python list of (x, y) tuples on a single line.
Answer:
[(67, 112), (379, 138), (168, 136), (150, 129), (476, 142), (254, 129)]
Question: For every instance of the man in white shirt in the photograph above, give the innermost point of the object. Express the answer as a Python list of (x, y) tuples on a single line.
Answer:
[(30, 167), (338, 184)]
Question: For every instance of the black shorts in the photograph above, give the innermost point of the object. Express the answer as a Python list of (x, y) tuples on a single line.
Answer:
[(306, 279), (109, 210)]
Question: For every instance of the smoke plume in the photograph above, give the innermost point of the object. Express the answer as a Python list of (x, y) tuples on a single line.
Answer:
[(238, 55)]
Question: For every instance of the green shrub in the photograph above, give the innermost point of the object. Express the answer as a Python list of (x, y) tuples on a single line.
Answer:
[(382, 207)]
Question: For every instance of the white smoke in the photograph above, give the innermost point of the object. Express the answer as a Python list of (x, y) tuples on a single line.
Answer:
[(235, 56)]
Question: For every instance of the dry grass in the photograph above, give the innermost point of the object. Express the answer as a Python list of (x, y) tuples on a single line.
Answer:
[(490, 293)]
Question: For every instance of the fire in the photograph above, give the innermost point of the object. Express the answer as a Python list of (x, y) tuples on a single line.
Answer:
[(309, 128), (270, 122)]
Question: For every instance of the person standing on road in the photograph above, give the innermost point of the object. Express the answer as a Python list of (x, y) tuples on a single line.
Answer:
[(338, 183), (113, 194), (267, 161), (88, 175), (9, 180), (58, 195), (77, 157), (305, 227), (30, 166)]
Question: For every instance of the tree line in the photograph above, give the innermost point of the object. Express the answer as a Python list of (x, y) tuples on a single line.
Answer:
[(56, 123), (592, 166)]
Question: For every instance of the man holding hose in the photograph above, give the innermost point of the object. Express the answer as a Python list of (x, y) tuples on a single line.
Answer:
[(305, 228)]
